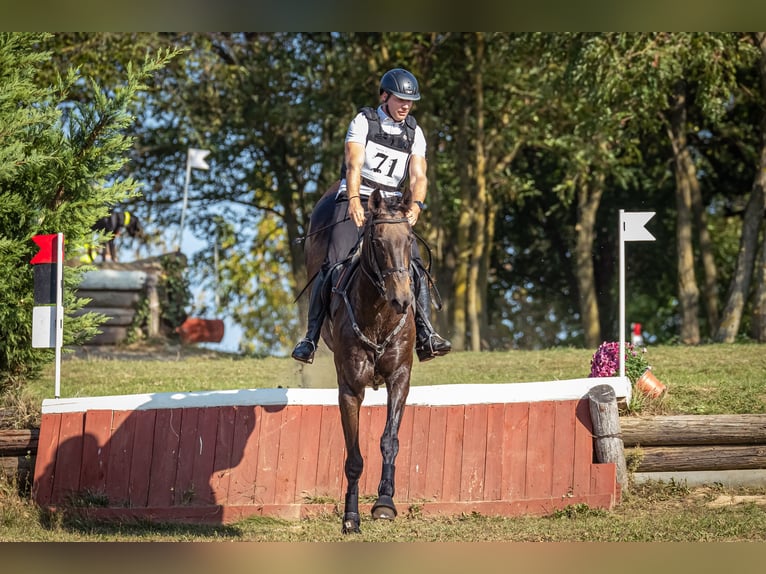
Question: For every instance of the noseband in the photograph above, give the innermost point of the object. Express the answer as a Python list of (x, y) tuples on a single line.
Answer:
[(369, 262)]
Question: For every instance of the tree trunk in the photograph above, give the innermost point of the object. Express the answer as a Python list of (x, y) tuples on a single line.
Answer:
[(759, 305), (462, 247), (710, 284), (688, 292), (479, 206), (588, 200), (740, 282)]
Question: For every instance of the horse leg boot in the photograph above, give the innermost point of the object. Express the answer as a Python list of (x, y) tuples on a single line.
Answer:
[(428, 343), (304, 350)]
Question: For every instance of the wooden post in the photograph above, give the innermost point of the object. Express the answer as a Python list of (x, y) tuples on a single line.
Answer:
[(607, 439), (154, 305)]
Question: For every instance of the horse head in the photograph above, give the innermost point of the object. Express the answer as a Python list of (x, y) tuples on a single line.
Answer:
[(388, 248)]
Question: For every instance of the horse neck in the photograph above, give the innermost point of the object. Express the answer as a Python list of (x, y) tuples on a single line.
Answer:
[(365, 297)]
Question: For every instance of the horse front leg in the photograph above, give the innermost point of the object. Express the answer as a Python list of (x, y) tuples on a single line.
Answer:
[(350, 403), (384, 507)]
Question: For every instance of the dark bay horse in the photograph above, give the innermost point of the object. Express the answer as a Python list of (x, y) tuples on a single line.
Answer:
[(371, 331)]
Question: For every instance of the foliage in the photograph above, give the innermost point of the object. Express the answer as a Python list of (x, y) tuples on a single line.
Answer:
[(174, 291), (522, 127), (58, 173), (606, 361)]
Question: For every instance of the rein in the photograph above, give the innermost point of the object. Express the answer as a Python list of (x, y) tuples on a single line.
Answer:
[(368, 258)]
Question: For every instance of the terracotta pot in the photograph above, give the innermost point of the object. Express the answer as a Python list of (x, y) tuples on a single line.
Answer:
[(196, 330), (650, 385)]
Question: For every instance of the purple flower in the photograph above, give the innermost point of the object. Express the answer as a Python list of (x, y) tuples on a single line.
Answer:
[(606, 361)]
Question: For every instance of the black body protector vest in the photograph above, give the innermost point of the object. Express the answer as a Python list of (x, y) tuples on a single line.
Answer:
[(387, 156)]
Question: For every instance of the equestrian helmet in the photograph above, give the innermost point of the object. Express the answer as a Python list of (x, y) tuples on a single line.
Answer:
[(401, 83)]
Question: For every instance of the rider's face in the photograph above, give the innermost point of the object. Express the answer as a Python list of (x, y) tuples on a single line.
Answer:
[(396, 107)]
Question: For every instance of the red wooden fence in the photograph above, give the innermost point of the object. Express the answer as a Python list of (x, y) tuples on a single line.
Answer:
[(220, 462)]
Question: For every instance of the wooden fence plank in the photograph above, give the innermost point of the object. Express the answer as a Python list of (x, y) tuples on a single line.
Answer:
[(583, 448), (374, 462), (188, 447), (201, 492), (244, 461), (289, 453), (167, 435), (68, 457), (272, 421), (404, 459), (453, 453), (494, 453), (119, 463), (437, 429), (45, 462), (563, 448), (474, 452), (336, 455), (141, 461), (306, 473), (540, 449), (224, 441), (327, 431), (515, 437), (95, 454), (417, 454)]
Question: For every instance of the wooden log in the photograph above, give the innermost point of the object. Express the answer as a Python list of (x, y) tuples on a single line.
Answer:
[(694, 430), (109, 336), (18, 467), (18, 441), (121, 299), (113, 280), (607, 442), (117, 317), (681, 458)]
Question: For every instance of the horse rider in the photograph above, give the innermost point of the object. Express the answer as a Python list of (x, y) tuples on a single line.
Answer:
[(383, 149)]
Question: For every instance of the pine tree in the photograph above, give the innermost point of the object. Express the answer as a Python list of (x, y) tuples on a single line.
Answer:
[(60, 163)]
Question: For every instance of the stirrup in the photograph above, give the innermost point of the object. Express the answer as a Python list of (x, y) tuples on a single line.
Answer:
[(304, 358), (428, 350)]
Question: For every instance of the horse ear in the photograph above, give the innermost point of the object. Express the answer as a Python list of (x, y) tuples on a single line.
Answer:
[(376, 200)]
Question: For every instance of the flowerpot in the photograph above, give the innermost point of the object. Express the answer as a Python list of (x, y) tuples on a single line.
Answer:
[(650, 385), (196, 330)]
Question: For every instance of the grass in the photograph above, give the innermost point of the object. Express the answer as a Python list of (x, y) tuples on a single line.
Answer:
[(654, 512), (708, 379), (711, 379)]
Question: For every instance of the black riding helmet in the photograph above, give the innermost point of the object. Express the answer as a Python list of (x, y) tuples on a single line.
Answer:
[(401, 83)]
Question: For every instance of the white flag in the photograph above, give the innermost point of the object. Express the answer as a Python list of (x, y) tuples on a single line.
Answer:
[(633, 226), (196, 158)]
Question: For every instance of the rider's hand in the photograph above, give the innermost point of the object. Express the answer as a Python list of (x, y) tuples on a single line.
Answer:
[(413, 214), (356, 211)]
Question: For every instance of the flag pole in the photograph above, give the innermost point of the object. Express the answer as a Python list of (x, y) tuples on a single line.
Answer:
[(186, 196), (622, 293), (59, 310)]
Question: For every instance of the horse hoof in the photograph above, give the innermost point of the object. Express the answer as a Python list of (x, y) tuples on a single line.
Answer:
[(351, 523), (384, 508)]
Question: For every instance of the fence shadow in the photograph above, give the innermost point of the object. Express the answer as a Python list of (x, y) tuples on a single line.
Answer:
[(169, 460)]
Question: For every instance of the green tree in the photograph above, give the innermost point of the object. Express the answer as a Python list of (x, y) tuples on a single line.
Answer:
[(58, 164)]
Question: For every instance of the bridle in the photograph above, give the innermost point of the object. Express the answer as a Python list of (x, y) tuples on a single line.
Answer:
[(377, 277), (369, 260)]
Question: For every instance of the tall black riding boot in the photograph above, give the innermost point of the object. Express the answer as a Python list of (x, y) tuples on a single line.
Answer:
[(428, 343), (304, 350)]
